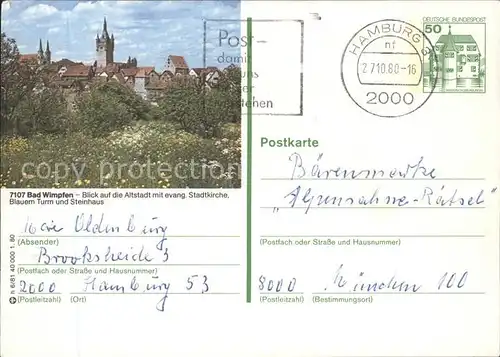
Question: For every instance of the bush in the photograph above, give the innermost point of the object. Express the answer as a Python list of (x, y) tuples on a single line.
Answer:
[(107, 107)]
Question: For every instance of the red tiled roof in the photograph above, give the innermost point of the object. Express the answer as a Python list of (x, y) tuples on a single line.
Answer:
[(28, 57), (66, 62), (178, 61), (110, 68), (77, 71), (127, 72), (144, 71)]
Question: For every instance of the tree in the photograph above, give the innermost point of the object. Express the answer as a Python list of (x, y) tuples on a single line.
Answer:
[(183, 106), (202, 109), (125, 95), (28, 104), (230, 84), (109, 106), (9, 61)]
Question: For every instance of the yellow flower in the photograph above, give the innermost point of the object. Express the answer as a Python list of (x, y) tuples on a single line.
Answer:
[(16, 145)]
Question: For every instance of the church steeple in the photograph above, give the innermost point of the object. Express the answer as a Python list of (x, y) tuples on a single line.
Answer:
[(47, 53), (105, 34), (105, 46), (40, 55)]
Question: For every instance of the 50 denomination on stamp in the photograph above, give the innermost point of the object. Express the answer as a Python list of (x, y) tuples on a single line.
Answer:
[(460, 46)]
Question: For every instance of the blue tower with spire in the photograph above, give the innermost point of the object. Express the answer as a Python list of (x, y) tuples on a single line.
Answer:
[(105, 47)]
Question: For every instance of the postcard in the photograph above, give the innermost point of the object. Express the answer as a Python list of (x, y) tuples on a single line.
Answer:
[(250, 178)]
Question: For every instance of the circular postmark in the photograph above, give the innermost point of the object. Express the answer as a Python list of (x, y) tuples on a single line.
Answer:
[(383, 69)]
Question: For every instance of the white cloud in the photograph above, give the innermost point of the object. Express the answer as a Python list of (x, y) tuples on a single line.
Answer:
[(87, 6), (53, 30), (148, 30), (129, 3), (59, 54), (123, 41), (38, 11)]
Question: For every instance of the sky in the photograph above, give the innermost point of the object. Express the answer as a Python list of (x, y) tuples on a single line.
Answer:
[(148, 30)]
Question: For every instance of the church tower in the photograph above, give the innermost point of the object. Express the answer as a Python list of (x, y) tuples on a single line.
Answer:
[(105, 47), (40, 55), (48, 54)]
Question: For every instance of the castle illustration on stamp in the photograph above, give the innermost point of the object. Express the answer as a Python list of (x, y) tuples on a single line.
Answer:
[(461, 56)]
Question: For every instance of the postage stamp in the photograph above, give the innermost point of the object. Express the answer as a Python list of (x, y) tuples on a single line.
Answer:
[(460, 46), (382, 68)]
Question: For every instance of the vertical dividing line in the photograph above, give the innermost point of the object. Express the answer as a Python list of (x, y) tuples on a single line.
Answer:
[(249, 159), (301, 67)]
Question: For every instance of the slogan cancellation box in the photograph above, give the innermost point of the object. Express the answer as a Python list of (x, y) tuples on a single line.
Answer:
[(273, 59)]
